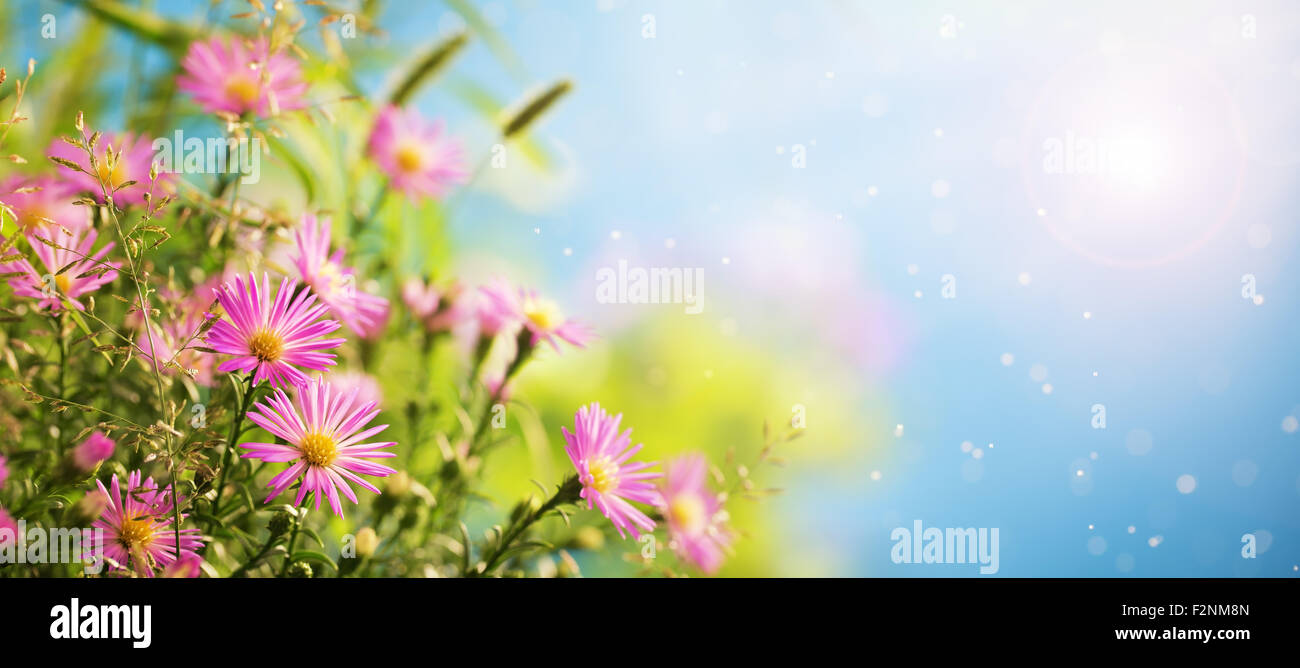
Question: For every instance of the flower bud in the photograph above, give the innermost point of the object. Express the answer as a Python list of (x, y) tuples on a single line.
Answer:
[(92, 452), (280, 523), (589, 538), (398, 484), (367, 542), (299, 569), (88, 509)]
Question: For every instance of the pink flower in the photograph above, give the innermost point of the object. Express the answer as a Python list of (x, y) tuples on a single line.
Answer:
[(93, 451), (137, 159), (186, 567), (174, 340), (45, 199), (238, 76), (438, 310), (494, 383), (270, 338), (697, 529), (8, 529), (335, 284), (4, 471), (600, 454), (83, 270), (368, 390), (324, 429), (418, 158), (541, 316), (137, 527)]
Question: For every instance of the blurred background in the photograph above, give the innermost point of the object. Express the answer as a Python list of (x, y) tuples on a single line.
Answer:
[(1015, 265)]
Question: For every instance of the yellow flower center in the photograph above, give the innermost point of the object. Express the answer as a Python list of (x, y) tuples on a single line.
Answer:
[(543, 313), (602, 474), (331, 280), (318, 449), (136, 534), (63, 282), (33, 217), (266, 345), (243, 89), (687, 512), (410, 158), (114, 178)]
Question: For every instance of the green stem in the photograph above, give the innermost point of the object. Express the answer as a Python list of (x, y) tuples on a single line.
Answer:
[(299, 516), (234, 436), (567, 493)]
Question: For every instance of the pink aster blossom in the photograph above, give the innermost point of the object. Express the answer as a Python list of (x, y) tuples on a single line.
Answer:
[(186, 567), (324, 430), (174, 340), (238, 76), (137, 159), (601, 454), (8, 528), (418, 158), (272, 338), (83, 270), (137, 527), (93, 451), (368, 390), (697, 529), (334, 283), (541, 316), (39, 201), (438, 309)]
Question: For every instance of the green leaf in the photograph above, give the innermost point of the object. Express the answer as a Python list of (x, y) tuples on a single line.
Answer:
[(312, 555)]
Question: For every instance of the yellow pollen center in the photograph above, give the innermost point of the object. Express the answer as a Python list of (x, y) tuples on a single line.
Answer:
[(318, 449), (687, 512), (64, 283), (243, 89), (136, 533), (266, 346), (543, 313), (410, 158), (114, 178), (602, 474), (33, 217)]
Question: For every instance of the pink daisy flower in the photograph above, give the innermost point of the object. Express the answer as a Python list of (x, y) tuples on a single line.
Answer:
[(439, 310), (239, 76), (418, 158), (324, 430), (600, 454), (185, 567), (45, 199), (272, 339), (137, 527), (93, 451), (697, 529), (541, 316), (368, 390), (8, 528), (84, 272), (173, 340), (137, 160), (334, 283)]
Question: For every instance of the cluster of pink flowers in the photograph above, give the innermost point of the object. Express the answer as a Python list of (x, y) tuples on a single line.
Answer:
[(285, 333), (602, 457), (137, 527)]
